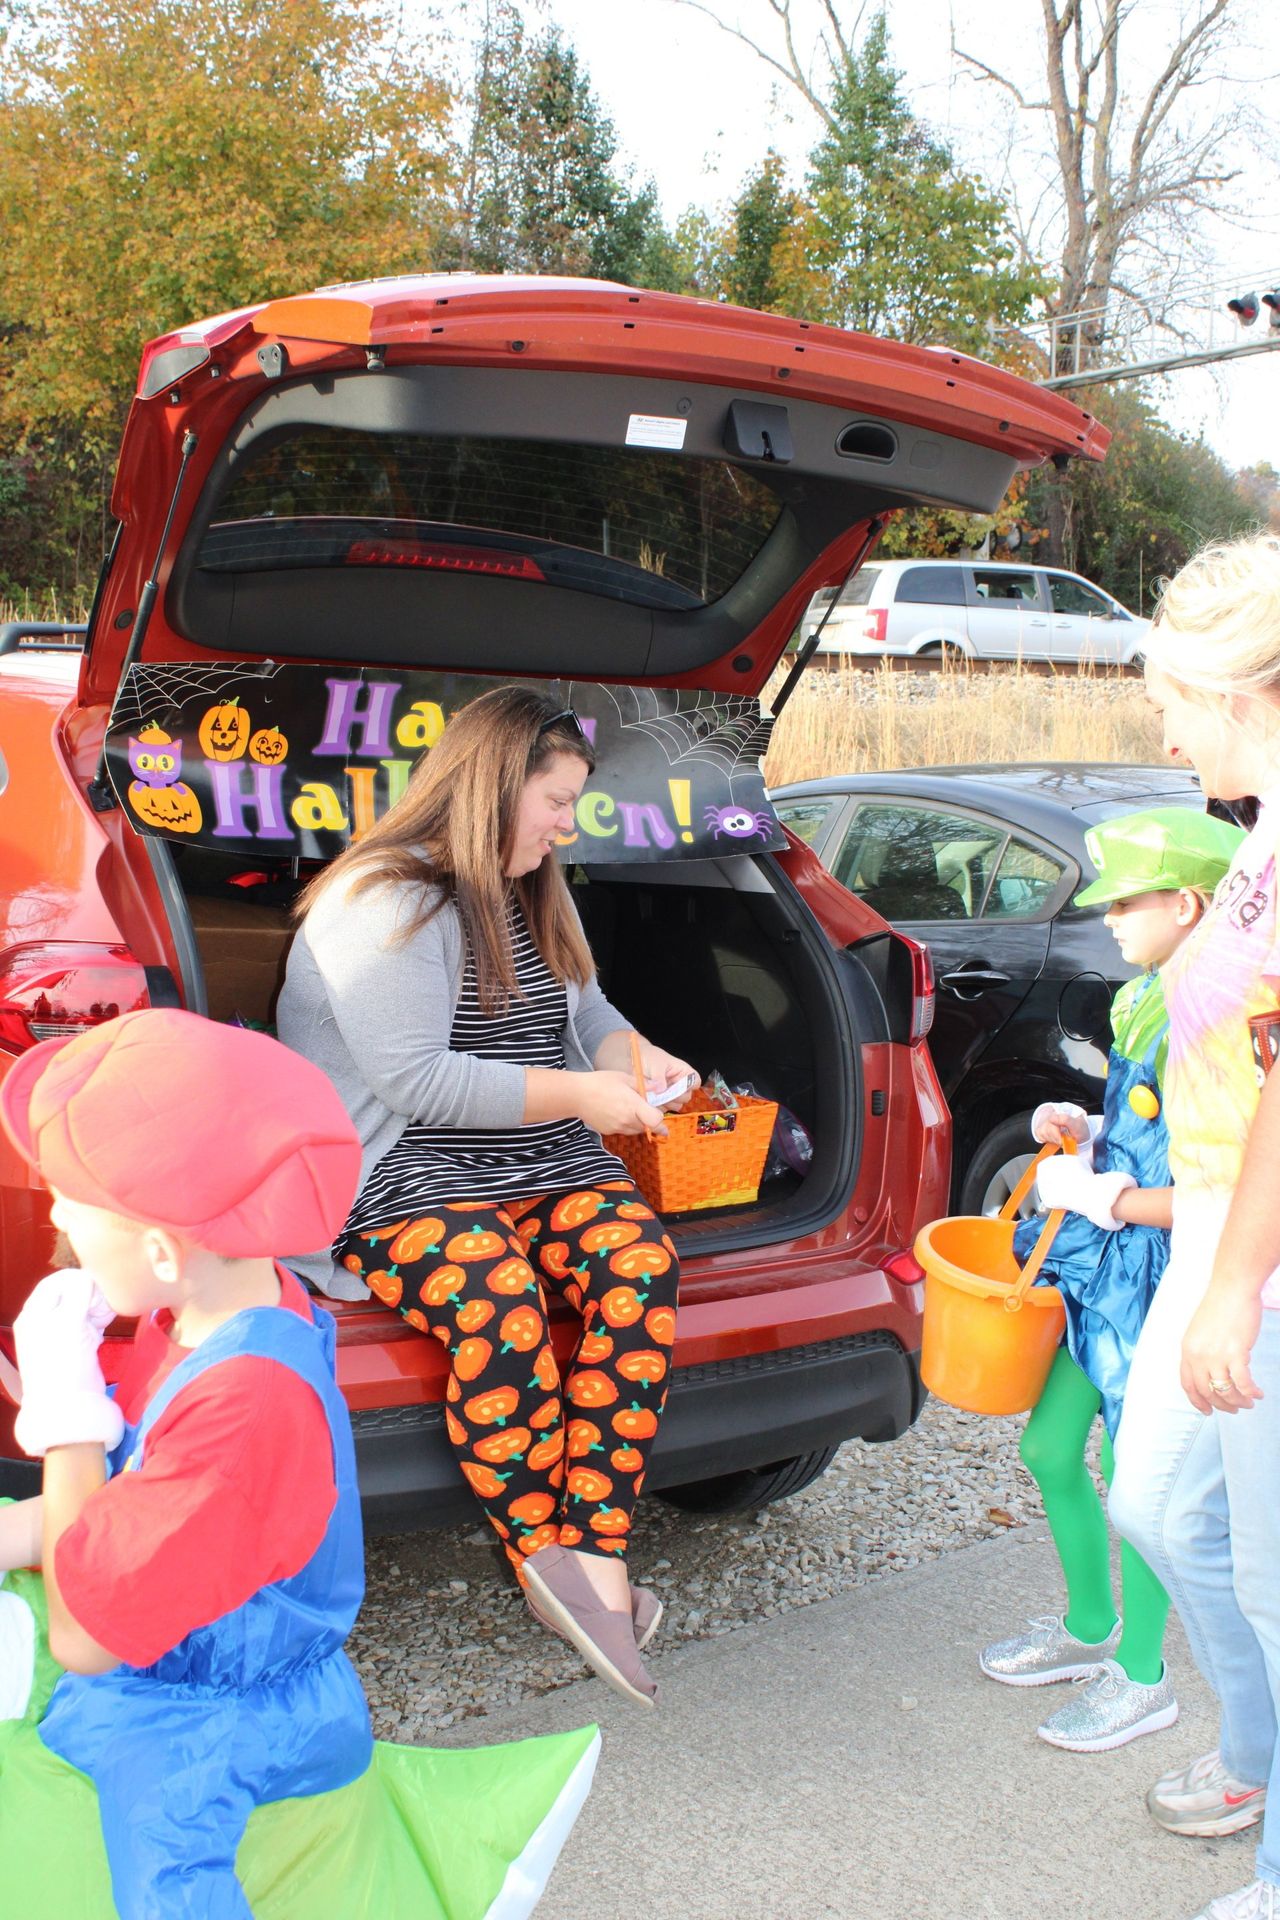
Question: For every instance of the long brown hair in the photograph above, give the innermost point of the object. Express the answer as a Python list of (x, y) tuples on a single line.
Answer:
[(452, 831)]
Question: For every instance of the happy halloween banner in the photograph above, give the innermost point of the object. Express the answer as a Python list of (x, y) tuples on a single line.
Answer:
[(299, 760)]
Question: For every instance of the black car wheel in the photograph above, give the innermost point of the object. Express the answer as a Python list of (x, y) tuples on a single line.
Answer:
[(998, 1163), (754, 1487)]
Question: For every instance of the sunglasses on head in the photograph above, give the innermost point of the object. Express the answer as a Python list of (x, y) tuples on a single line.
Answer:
[(567, 719)]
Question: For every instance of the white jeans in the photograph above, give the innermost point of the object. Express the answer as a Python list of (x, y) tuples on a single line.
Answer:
[(1199, 1497)]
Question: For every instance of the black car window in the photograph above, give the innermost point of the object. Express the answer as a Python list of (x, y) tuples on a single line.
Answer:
[(918, 863), (1024, 883), (806, 818), (1072, 596), (658, 529), (932, 586), (997, 588)]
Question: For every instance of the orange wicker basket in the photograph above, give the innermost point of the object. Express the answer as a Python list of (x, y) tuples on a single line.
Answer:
[(710, 1157)]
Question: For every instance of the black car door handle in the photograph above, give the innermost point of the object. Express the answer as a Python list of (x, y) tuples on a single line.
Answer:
[(973, 979)]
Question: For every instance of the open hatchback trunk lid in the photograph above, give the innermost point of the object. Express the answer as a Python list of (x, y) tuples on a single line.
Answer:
[(533, 477)]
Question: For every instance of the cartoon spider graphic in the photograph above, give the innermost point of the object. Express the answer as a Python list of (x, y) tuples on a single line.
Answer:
[(738, 823)]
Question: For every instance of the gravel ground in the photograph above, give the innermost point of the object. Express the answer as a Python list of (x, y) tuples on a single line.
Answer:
[(444, 1635)]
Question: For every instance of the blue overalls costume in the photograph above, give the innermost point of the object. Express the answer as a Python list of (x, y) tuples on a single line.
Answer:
[(1108, 1280), (236, 1775), (261, 1705), (258, 1722)]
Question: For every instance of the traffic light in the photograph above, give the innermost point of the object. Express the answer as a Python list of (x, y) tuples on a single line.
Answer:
[(1272, 302), (1246, 308)]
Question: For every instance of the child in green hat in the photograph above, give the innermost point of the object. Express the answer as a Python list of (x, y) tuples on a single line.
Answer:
[(1156, 872)]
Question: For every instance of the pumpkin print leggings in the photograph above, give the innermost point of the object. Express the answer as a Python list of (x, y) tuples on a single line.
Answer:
[(549, 1460)]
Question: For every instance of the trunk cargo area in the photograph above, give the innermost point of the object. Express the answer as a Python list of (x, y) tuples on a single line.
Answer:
[(716, 961)]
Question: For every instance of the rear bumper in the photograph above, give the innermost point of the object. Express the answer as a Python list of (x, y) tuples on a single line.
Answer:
[(720, 1418)]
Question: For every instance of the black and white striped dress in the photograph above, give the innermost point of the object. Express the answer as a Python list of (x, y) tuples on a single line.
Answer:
[(428, 1165)]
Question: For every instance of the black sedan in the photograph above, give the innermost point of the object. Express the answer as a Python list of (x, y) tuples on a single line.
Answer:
[(981, 864)]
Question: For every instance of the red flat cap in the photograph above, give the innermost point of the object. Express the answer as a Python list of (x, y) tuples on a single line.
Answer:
[(220, 1134)]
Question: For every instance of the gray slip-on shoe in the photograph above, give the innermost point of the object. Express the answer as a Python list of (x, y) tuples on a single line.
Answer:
[(646, 1615), (564, 1598)]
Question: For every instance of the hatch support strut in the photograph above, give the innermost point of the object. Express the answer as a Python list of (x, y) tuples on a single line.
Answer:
[(805, 654)]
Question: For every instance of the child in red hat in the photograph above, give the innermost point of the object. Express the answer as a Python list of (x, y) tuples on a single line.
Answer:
[(199, 1530)]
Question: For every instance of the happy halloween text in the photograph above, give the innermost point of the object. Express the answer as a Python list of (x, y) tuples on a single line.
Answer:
[(225, 771)]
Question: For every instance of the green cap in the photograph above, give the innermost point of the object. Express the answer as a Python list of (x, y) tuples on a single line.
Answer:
[(1157, 851)]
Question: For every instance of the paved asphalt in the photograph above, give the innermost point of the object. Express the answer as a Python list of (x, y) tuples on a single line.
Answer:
[(850, 1760)]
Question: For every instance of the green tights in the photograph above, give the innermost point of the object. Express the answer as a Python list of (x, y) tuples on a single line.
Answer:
[(1053, 1448)]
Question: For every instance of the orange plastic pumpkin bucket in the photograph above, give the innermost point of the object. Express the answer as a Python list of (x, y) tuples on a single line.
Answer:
[(989, 1334)]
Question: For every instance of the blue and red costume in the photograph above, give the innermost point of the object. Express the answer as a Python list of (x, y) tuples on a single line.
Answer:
[(262, 1704)]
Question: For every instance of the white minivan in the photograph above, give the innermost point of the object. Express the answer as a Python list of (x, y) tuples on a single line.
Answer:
[(976, 610)]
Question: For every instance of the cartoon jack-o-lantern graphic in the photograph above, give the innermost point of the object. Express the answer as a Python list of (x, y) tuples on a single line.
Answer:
[(510, 1444), (224, 731), (531, 1509), (268, 747), (575, 1210), (635, 1423), (592, 1389), (545, 1536), (635, 1262), (621, 1306), (610, 1233), (585, 1483), (546, 1452), (645, 1366), (477, 1243), (157, 793), (584, 1438), (484, 1480)]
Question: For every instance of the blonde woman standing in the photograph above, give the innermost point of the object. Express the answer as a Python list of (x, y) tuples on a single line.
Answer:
[(442, 979), (1197, 1483)]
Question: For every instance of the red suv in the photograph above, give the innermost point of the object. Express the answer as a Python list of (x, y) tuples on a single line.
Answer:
[(533, 479)]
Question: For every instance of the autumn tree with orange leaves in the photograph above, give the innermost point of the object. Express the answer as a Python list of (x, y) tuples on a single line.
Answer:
[(161, 161)]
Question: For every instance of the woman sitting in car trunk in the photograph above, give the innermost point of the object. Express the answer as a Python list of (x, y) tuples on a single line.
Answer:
[(442, 979)]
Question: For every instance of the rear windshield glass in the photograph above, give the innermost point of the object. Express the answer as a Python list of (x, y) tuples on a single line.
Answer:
[(660, 529), (932, 586)]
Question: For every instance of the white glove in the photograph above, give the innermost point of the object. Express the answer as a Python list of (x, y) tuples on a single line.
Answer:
[(1065, 1182), (57, 1336)]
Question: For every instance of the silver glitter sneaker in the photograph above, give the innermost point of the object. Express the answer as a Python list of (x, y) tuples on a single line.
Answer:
[(1109, 1710), (1048, 1652)]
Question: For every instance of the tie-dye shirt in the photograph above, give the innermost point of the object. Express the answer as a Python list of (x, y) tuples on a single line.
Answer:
[(1226, 972)]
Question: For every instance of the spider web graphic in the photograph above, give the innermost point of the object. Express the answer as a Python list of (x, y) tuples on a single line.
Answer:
[(149, 692), (728, 732)]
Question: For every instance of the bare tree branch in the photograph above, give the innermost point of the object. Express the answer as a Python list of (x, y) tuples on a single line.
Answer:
[(989, 73), (793, 72)]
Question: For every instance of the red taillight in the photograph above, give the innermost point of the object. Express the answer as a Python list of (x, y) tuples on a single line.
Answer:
[(54, 991), (875, 622), (450, 559), (906, 1268), (924, 997)]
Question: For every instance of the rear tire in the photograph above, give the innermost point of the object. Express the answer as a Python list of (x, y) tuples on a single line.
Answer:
[(946, 652), (754, 1487), (997, 1164)]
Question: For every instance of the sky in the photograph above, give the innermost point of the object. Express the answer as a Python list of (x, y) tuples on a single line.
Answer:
[(696, 110)]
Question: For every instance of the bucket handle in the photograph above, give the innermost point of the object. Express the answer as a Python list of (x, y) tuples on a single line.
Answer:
[(1035, 1259)]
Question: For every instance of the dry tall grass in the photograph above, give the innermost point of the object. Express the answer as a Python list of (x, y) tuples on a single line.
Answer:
[(42, 606), (842, 721)]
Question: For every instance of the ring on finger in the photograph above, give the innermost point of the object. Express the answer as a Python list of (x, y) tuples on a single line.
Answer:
[(1221, 1386)]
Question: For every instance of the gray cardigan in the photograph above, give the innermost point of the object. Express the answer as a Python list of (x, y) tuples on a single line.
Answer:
[(376, 1014)]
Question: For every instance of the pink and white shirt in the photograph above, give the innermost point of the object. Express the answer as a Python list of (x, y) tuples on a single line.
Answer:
[(1223, 975)]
